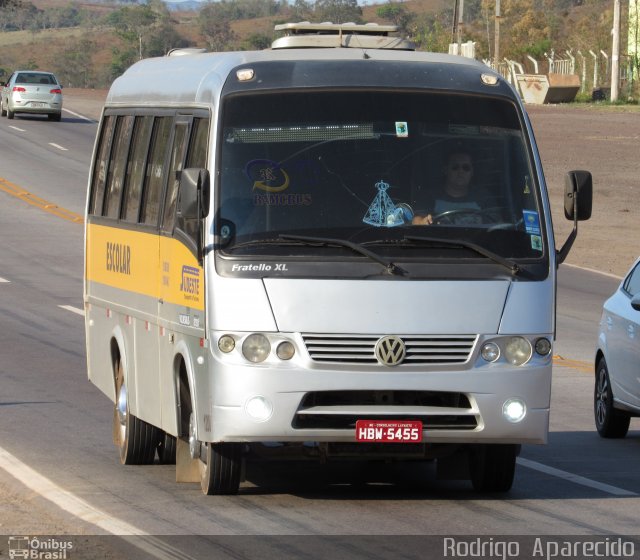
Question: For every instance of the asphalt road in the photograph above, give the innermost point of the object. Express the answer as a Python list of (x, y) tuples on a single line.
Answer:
[(59, 473)]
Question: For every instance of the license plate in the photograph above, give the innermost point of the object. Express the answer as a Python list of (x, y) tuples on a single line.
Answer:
[(389, 431), (37, 105)]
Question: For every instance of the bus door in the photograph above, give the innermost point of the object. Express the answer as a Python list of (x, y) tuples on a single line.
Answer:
[(181, 302), (148, 330)]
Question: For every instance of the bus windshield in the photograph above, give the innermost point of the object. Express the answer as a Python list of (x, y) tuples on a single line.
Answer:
[(377, 168)]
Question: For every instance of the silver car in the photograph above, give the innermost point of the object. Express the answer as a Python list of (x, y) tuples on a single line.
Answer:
[(617, 383), (32, 91)]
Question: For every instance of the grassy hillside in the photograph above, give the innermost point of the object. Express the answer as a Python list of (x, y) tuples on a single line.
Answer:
[(90, 55)]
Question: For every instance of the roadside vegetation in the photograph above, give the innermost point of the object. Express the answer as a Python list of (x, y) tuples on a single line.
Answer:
[(89, 44)]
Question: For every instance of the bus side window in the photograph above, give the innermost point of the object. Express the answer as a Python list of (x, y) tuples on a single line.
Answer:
[(136, 167), (100, 167), (117, 166), (153, 187)]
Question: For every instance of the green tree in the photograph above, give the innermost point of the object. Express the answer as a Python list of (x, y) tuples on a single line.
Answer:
[(397, 14), (132, 24), (337, 11), (215, 27), (432, 32), (74, 66), (259, 41), (302, 10)]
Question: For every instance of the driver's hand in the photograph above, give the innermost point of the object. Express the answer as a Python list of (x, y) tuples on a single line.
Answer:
[(422, 220)]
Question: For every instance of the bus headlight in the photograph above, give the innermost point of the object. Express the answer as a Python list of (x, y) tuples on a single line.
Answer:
[(285, 350), (543, 346), (226, 343), (490, 351), (256, 348), (514, 410), (517, 350)]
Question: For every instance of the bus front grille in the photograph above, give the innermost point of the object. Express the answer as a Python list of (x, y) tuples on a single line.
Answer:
[(339, 410), (360, 349)]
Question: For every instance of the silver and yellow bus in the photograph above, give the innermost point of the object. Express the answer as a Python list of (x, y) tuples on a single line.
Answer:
[(261, 274)]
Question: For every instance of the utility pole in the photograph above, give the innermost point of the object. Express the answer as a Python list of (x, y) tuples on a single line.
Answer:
[(497, 34), (458, 9), (615, 52)]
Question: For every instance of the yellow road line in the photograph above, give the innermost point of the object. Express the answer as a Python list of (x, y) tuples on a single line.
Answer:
[(580, 365), (30, 198)]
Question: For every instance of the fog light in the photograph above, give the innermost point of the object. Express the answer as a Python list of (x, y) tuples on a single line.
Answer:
[(259, 408), (543, 346), (256, 348), (490, 352), (514, 410), (226, 343), (285, 350)]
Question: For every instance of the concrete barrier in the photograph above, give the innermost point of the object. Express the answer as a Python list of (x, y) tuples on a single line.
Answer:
[(548, 88)]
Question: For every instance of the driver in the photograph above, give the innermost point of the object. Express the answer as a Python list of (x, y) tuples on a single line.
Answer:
[(456, 195)]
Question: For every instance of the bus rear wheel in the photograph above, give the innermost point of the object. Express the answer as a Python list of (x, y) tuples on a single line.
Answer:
[(135, 439), (492, 467)]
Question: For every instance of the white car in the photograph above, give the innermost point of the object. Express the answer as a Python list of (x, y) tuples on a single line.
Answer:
[(617, 383), (32, 91)]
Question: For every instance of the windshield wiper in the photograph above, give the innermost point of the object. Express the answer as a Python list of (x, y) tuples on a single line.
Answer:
[(390, 267), (513, 267)]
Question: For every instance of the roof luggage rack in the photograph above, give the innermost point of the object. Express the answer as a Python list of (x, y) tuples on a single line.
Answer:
[(306, 35)]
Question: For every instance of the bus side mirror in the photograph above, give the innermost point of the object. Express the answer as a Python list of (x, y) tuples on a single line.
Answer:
[(578, 193), (193, 203)]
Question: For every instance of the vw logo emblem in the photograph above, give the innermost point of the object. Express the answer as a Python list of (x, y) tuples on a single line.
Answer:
[(390, 350)]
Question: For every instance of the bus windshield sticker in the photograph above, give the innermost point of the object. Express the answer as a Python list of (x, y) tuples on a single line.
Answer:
[(402, 129), (382, 211), (531, 222), (536, 243)]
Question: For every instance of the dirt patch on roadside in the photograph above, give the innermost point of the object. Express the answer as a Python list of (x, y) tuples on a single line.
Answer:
[(605, 141)]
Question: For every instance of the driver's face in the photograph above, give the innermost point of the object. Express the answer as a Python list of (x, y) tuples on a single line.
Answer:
[(459, 170)]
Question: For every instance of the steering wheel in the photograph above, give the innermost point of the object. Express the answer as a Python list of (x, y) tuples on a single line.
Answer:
[(486, 215)]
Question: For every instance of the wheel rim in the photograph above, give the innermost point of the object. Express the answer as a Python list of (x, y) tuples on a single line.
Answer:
[(122, 409), (194, 444), (602, 394)]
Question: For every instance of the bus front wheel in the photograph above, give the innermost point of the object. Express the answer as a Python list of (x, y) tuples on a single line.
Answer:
[(220, 466), (492, 467)]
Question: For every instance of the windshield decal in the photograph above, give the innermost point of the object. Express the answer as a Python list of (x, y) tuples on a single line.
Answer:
[(531, 222), (383, 212)]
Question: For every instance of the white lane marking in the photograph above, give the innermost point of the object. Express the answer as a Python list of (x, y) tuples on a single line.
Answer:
[(78, 115), (76, 310), (4, 281), (84, 510), (577, 479), (16, 128), (58, 146), (609, 274)]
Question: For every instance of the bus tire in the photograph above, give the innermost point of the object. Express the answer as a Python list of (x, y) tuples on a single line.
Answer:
[(135, 439), (220, 474), (167, 449), (492, 467)]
